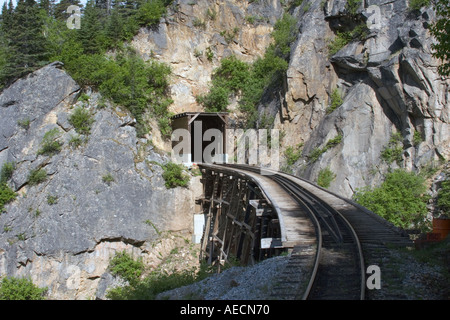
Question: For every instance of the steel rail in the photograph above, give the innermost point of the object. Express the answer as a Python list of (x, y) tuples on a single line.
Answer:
[(299, 193)]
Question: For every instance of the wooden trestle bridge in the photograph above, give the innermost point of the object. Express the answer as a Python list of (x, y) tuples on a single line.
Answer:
[(251, 216)]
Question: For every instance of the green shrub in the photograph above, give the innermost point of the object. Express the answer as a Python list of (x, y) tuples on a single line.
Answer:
[(20, 289), (352, 6), (417, 138), (150, 12), (7, 195), (394, 150), (317, 152), (336, 101), (340, 40), (81, 119), (325, 177), (444, 196), (400, 199), (76, 141), (25, 123), (293, 154), (108, 179), (6, 172), (49, 145), (174, 175), (124, 266), (417, 4), (37, 176)]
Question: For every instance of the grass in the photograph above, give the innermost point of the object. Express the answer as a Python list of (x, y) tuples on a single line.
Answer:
[(174, 175), (37, 176), (336, 101), (108, 179), (81, 119), (7, 195), (50, 145), (326, 176), (317, 152)]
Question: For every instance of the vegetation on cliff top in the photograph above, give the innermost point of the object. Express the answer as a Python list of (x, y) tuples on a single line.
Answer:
[(33, 34)]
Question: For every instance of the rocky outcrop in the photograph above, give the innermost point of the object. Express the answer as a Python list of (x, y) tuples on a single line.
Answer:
[(103, 196), (195, 35), (388, 82)]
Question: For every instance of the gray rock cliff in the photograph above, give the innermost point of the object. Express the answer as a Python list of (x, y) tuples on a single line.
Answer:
[(388, 81), (62, 232)]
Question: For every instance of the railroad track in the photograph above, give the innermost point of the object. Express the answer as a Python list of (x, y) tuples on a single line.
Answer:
[(346, 239)]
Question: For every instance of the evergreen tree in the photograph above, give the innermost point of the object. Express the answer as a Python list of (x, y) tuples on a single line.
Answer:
[(23, 38), (91, 34), (60, 10)]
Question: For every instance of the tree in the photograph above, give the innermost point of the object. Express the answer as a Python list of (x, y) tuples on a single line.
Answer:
[(25, 39), (400, 199), (441, 31), (92, 34), (61, 8)]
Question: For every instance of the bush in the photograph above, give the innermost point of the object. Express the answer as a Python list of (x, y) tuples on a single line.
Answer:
[(20, 289), (49, 145), (400, 199), (37, 176), (174, 175), (417, 4), (6, 172), (81, 120), (325, 177), (292, 155), (394, 150), (444, 196), (124, 266), (7, 195), (150, 12), (336, 101), (108, 179)]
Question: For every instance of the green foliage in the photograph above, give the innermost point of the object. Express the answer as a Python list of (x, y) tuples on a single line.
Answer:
[(24, 44), (156, 283), (417, 4), (76, 141), (444, 196), (81, 119), (417, 139), (174, 175), (440, 30), (37, 176), (336, 101), (25, 123), (6, 172), (326, 176), (352, 6), (7, 195), (49, 145), (293, 154), (20, 289), (342, 38), (394, 150), (51, 200), (400, 199), (150, 12), (235, 77), (124, 78), (124, 266), (317, 152), (108, 178)]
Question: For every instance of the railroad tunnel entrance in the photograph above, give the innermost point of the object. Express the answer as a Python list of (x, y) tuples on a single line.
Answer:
[(205, 133)]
